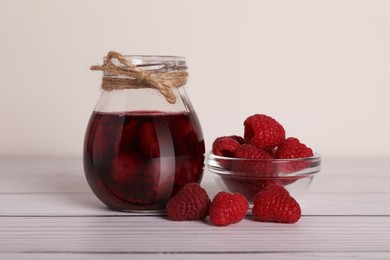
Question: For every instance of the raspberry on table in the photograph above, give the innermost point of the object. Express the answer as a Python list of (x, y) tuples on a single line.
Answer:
[(226, 146), (274, 204), (228, 208), (190, 203), (263, 131)]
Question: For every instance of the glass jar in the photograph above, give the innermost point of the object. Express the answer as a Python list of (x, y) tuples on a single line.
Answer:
[(141, 146)]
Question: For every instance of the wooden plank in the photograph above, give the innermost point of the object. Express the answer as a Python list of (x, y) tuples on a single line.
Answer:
[(40, 166), (47, 210), (66, 175), (86, 204), (350, 166), (197, 256), (47, 183), (72, 183), (330, 165), (132, 235)]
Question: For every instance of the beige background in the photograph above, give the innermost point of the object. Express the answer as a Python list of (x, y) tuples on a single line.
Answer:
[(321, 68)]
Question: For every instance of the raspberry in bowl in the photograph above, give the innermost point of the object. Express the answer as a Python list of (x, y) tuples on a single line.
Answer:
[(250, 176), (261, 158)]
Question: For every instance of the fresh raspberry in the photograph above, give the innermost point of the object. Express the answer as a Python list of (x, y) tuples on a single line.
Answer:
[(190, 203), (289, 149), (228, 208), (292, 148), (248, 151), (225, 146), (259, 161), (263, 131), (271, 152), (275, 204), (239, 139)]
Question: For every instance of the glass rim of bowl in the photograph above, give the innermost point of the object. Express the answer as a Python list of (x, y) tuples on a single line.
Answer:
[(214, 164), (316, 156)]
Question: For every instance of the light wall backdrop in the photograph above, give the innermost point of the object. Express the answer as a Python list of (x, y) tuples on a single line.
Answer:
[(321, 68)]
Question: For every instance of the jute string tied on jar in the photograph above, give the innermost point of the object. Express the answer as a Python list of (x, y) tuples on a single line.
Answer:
[(132, 77)]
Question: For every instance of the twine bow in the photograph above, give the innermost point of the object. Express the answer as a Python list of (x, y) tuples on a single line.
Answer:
[(134, 77)]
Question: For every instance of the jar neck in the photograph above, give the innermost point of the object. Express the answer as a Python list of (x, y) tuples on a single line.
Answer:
[(162, 73), (153, 64)]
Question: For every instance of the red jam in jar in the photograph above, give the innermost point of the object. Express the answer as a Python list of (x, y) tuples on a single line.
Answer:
[(139, 160)]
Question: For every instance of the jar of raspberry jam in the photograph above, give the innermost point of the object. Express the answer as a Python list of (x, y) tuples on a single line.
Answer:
[(143, 142)]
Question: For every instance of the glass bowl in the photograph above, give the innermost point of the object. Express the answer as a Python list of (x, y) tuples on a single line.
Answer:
[(250, 176)]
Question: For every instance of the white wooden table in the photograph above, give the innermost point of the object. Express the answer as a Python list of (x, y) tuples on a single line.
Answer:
[(47, 211)]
